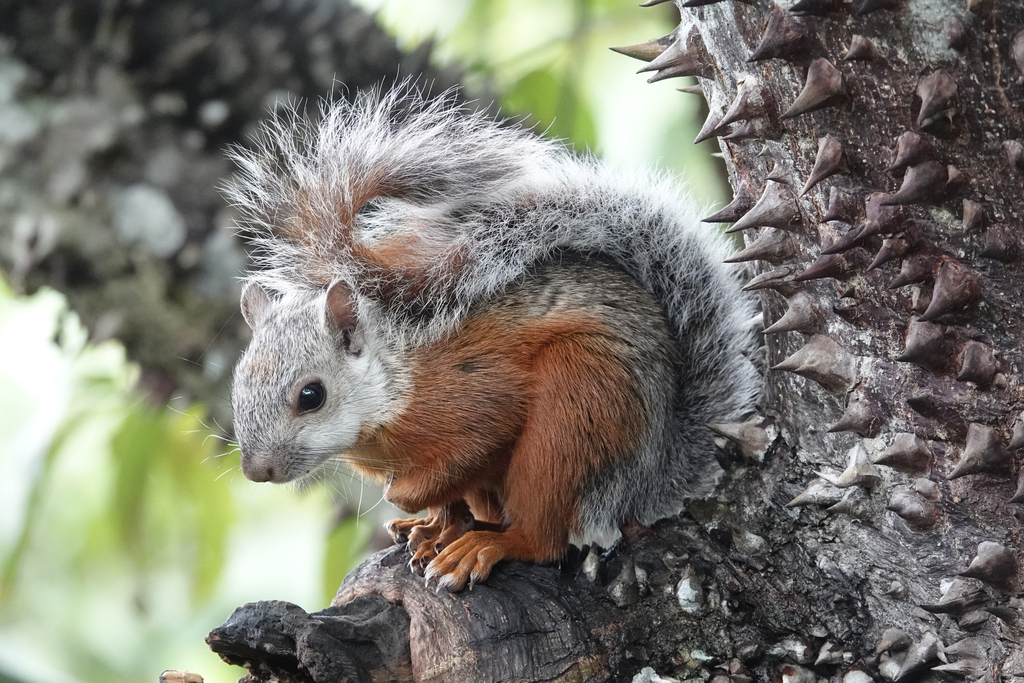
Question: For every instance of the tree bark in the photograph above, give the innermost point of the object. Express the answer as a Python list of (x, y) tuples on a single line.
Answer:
[(863, 530)]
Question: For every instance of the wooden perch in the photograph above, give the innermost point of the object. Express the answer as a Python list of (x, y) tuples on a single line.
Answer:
[(680, 599)]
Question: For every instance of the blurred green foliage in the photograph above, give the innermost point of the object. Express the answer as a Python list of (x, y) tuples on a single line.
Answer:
[(344, 549), (165, 494), (126, 530)]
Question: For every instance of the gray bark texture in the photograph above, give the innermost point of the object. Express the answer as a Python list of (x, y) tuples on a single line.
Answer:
[(116, 115), (870, 522)]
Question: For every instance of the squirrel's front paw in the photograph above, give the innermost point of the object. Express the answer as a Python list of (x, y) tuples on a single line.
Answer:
[(424, 553), (400, 529), (427, 537), (469, 559)]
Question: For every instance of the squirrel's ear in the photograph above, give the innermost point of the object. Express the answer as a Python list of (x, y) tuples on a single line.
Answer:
[(255, 303), (341, 311)]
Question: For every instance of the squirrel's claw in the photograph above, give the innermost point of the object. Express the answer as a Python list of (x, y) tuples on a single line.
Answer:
[(424, 536), (421, 559), (467, 560), (400, 529)]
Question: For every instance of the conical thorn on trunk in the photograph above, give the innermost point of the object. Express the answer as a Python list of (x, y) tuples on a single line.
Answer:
[(892, 640), (750, 102), (855, 503), (777, 207), (842, 206), (785, 37), (648, 50), (829, 161), (973, 216), (908, 453), (772, 245), (915, 268), (744, 131), (924, 183), (859, 471), (850, 239), (955, 288), (892, 248), (958, 598), (911, 149), (1001, 245), (862, 416), (929, 346), (970, 622), (861, 49), (711, 128), (826, 265), (936, 91), (984, 453), (920, 655), (994, 565), (823, 361), (734, 210), (824, 85), (778, 174), (803, 315), (686, 56), (919, 513), (818, 492), (977, 364), (780, 279), (881, 217)]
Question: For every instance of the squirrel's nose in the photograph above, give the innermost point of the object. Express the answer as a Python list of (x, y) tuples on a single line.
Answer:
[(257, 469)]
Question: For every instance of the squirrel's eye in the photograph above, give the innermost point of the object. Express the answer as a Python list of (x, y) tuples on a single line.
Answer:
[(311, 397)]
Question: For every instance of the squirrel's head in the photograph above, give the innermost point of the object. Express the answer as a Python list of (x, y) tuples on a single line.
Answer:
[(306, 385)]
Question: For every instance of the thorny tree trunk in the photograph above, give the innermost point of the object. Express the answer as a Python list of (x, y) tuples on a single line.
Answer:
[(864, 530)]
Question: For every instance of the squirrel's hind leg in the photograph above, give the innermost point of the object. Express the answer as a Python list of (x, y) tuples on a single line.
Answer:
[(585, 415)]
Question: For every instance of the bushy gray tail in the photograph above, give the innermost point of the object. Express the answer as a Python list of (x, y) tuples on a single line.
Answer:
[(481, 203)]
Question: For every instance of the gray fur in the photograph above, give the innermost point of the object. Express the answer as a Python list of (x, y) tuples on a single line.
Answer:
[(494, 201)]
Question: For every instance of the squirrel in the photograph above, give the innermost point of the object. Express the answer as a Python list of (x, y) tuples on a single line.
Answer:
[(514, 338)]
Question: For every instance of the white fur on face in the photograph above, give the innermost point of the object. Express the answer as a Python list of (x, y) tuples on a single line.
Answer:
[(293, 346)]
